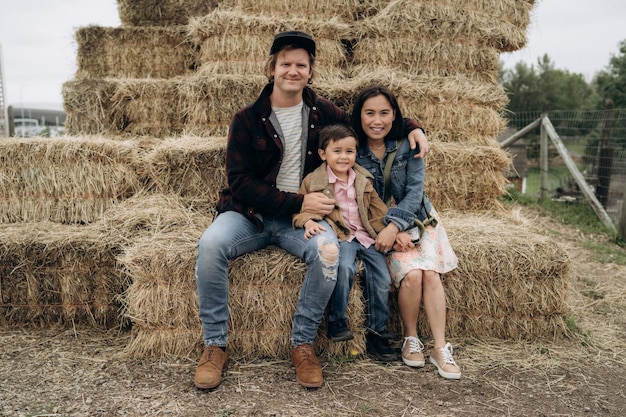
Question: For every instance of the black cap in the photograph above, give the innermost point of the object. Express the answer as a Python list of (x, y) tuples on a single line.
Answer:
[(301, 39)]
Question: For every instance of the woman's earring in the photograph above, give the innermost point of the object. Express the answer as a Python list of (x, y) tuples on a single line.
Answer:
[(310, 81)]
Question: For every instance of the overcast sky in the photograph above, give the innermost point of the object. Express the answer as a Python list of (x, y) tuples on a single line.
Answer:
[(39, 52)]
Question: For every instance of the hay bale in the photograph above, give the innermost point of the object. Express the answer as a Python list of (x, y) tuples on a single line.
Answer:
[(219, 34), (199, 105), (161, 269), (146, 107), (513, 12), (133, 52), (64, 179), (466, 177), (428, 20), (162, 12), (510, 278), (58, 275), (191, 167), (511, 284), (147, 214), (452, 109), (87, 104), (438, 57), (209, 102), (313, 9)]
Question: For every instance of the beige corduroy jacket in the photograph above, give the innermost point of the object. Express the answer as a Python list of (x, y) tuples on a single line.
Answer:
[(372, 209)]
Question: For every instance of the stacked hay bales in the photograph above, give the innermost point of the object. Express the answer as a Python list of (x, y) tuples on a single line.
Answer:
[(163, 88)]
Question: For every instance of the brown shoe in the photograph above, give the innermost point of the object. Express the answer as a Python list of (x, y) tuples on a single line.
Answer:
[(308, 370), (443, 360), (210, 366)]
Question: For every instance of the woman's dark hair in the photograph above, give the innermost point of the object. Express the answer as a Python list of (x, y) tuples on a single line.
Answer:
[(334, 133), (397, 128)]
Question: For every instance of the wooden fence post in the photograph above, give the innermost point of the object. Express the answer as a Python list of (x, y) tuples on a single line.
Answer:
[(605, 156), (543, 160), (573, 169)]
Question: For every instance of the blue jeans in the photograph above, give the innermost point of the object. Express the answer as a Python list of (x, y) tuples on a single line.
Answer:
[(231, 235), (377, 284)]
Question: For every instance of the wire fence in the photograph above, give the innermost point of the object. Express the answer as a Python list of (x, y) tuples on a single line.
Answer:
[(595, 141)]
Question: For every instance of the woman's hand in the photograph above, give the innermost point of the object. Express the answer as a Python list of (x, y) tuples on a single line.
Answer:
[(386, 238), (403, 242), (418, 137)]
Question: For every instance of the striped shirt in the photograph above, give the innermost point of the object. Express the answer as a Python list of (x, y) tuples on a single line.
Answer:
[(289, 174)]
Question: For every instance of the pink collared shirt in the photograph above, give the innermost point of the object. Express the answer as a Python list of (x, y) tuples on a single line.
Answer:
[(345, 195)]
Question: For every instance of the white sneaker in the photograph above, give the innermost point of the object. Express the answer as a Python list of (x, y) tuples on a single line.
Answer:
[(443, 360), (412, 352)]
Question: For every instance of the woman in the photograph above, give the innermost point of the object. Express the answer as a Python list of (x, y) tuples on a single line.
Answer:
[(415, 261)]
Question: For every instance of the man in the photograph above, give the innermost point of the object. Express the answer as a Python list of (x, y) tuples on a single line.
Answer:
[(272, 145)]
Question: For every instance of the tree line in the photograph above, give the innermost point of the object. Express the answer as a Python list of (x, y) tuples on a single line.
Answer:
[(545, 88)]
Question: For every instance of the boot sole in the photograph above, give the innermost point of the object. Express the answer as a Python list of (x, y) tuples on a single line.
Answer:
[(309, 385), (344, 338)]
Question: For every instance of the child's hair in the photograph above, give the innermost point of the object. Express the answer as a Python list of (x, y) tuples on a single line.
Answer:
[(334, 133)]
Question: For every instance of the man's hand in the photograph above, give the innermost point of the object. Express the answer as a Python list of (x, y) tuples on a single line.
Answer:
[(418, 137), (318, 203)]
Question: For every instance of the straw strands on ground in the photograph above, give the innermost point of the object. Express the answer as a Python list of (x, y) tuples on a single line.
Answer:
[(133, 52), (58, 275), (66, 180), (162, 12)]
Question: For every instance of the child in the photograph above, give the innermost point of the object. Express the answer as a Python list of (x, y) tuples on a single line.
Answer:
[(356, 219)]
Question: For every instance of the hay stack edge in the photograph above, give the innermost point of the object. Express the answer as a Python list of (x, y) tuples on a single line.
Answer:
[(99, 227)]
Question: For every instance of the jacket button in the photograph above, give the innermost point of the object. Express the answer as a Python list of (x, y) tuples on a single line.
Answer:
[(312, 126)]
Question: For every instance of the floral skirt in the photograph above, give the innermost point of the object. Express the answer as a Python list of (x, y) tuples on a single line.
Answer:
[(433, 252)]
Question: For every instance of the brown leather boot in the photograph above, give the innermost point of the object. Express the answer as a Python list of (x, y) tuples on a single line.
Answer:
[(308, 370), (210, 366)]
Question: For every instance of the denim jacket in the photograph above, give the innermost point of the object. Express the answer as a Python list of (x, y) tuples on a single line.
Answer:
[(406, 183)]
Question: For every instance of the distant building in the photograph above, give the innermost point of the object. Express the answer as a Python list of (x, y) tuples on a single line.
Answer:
[(36, 119)]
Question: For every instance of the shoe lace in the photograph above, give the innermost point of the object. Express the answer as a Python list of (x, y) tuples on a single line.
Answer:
[(446, 354), (415, 345)]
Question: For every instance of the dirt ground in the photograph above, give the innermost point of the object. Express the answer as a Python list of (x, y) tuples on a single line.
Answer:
[(80, 373)]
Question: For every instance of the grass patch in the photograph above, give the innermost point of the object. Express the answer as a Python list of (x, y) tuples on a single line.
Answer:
[(581, 216)]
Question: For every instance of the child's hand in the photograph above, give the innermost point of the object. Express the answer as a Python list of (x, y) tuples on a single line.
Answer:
[(312, 228), (403, 242)]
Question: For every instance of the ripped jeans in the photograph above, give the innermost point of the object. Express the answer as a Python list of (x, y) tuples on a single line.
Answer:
[(231, 235)]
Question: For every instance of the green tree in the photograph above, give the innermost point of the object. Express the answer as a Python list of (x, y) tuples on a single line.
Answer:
[(546, 88), (611, 82)]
